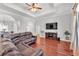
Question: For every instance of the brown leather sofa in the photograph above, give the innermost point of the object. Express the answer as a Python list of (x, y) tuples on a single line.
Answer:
[(7, 48), (29, 51), (25, 36)]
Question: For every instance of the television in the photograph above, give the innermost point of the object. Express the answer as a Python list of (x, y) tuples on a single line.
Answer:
[(51, 25)]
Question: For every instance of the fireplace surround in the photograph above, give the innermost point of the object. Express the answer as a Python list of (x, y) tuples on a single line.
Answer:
[(51, 35)]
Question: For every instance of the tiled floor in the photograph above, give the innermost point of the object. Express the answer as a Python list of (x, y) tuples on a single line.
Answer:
[(53, 47)]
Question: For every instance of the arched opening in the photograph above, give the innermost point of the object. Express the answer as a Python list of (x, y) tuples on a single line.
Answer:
[(7, 23)]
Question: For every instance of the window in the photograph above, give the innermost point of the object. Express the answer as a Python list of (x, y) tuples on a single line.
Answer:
[(3, 27)]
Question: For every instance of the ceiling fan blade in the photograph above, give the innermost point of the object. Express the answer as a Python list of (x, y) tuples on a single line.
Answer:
[(27, 4), (38, 8), (33, 4), (29, 8)]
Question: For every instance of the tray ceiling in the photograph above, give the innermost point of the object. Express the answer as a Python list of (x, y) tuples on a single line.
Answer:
[(47, 8)]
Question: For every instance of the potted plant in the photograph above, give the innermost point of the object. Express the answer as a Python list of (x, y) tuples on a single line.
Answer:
[(67, 35)]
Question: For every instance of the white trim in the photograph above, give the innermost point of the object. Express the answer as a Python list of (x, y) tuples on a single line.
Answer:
[(65, 40)]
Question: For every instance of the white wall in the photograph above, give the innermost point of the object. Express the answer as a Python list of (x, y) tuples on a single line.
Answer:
[(36, 25), (25, 24), (7, 22), (64, 23), (22, 23)]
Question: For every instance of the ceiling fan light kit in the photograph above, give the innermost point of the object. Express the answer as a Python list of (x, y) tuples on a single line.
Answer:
[(34, 7)]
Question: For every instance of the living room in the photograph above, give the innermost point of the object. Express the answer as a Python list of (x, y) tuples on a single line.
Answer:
[(50, 27)]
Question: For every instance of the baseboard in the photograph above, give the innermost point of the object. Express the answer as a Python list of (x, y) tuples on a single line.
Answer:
[(76, 53), (65, 40)]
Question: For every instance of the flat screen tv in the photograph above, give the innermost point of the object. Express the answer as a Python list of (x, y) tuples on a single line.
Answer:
[(51, 25)]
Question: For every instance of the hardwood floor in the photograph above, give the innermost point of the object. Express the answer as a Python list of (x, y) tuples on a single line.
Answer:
[(53, 47)]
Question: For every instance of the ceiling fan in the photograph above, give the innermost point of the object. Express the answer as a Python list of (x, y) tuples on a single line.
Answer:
[(34, 7)]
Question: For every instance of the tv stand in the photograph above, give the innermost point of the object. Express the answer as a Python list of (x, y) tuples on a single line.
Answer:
[(51, 35)]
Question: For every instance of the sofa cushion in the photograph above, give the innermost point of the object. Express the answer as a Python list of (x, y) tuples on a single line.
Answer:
[(13, 53), (25, 36), (7, 46), (26, 50), (28, 35), (13, 36)]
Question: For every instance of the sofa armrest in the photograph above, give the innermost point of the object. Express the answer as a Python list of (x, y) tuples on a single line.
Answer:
[(34, 37), (26, 45)]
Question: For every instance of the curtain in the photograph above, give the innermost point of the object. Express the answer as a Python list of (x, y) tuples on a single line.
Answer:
[(75, 33), (77, 41)]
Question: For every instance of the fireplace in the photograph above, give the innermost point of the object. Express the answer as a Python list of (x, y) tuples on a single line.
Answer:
[(51, 35)]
